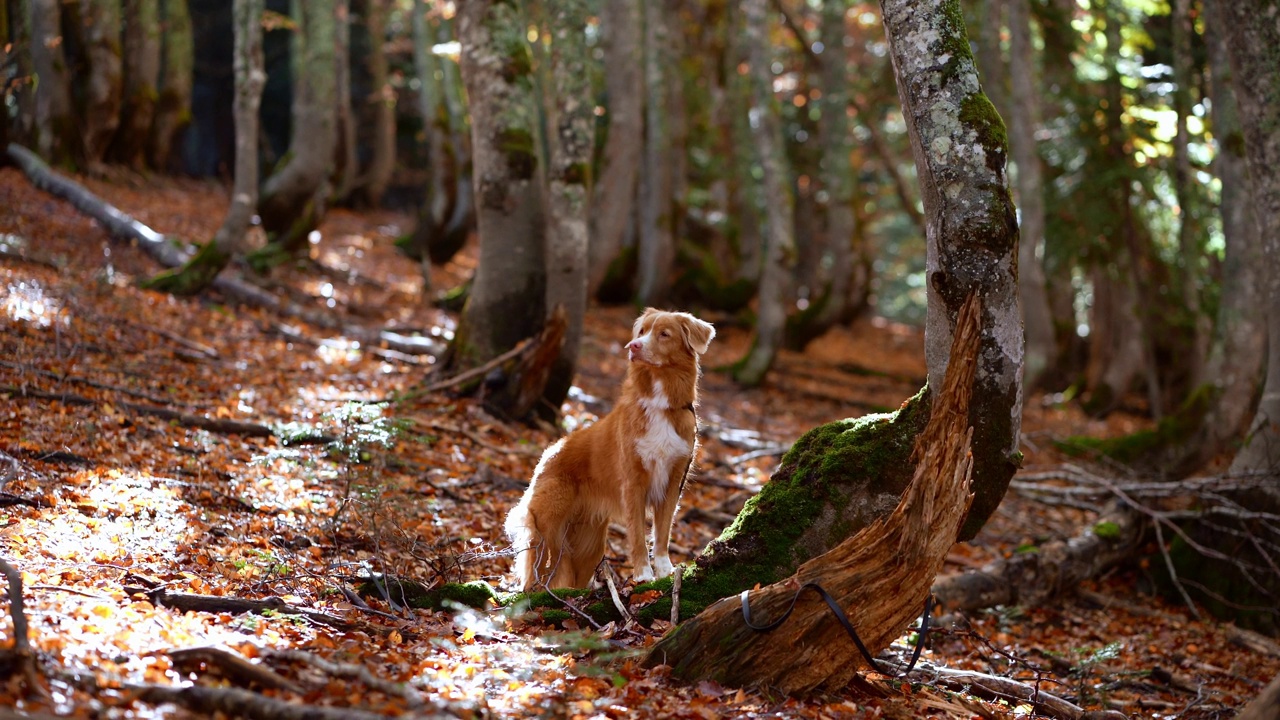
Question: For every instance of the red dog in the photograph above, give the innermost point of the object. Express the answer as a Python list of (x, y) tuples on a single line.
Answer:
[(635, 458)]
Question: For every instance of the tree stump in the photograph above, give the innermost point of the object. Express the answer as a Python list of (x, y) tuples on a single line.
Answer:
[(881, 575)]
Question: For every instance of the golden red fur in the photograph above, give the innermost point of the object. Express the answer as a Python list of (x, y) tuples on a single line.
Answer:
[(634, 459)]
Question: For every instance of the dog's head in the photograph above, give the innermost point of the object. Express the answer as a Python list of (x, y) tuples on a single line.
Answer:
[(662, 338)]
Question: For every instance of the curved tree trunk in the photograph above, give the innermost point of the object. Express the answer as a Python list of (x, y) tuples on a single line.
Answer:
[(882, 575), (104, 80), (293, 196), (657, 250), (53, 124), (615, 191), (506, 301), (141, 81), (1253, 31), (1023, 121), (173, 109), (571, 140), (250, 76), (780, 244), (383, 99)]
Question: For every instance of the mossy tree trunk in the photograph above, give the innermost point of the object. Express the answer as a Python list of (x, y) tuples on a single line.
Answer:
[(54, 126), (177, 59), (1024, 121), (960, 148), (506, 301), (141, 81), (104, 76), (571, 142), (250, 76), (614, 198), (292, 200), (780, 244)]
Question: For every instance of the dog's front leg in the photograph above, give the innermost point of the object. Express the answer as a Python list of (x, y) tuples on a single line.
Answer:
[(664, 513), (640, 569)]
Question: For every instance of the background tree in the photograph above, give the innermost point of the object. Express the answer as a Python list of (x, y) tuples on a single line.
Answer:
[(53, 122), (104, 77), (173, 106), (141, 33)]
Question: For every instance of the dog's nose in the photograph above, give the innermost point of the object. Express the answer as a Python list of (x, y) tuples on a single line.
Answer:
[(634, 345)]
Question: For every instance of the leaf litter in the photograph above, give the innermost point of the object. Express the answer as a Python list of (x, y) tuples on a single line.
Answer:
[(124, 511)]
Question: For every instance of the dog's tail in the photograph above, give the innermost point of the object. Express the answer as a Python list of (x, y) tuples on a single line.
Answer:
[(524, 539)]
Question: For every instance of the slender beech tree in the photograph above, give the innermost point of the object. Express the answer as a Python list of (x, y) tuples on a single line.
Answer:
[(570, 114), (1023, 111), (293, 196), (382, 103), (250, 77), (434, 208), (1252, 28), (346, 169), (656, 246), (613, 204), (103, 80), (141, 81), (1190, 245), (780, 246), (1239, 346), (53, 122), (506, 301), (177, 59)]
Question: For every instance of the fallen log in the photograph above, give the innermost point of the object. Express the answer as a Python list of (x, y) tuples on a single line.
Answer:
[(121, 226), (881, 575), (186, 602)]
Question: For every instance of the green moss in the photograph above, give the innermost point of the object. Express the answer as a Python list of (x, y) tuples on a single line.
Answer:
[(978, 114), (477, 594), (1107, 530), (194, 276), (1149, 446)]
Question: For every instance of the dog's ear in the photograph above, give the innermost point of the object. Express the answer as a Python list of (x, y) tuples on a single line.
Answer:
[(697, 334), (648, 313)]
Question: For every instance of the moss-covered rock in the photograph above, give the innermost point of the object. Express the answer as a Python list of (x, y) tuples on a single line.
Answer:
[(477, 594)]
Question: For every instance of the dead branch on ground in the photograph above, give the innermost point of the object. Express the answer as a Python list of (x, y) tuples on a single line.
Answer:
[(187, 602), (21, 658)]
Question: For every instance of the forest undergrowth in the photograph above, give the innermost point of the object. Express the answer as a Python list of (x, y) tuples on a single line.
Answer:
[(153, 449)]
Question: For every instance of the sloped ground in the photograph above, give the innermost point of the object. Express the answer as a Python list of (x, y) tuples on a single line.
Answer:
[(106, 500)]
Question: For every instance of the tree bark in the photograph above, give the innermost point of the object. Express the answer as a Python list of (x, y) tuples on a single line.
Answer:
[(250, 76), (104, 79), (780, 243), (882, 575), (657, 183), (173, 109), (383, 99), (292, 198), (990, 56), (615, 192), (507, 298), (960, 149), (1189, 244), (436, 201), (1253, 31), (1238, 349), (53, 124), (571, 142), (346, 169), (1024, 120), (141, 81)]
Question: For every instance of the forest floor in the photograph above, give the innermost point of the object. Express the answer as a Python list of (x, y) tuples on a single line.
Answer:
[(107, 505)]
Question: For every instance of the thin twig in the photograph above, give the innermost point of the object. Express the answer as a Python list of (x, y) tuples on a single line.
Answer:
[(675, 597)]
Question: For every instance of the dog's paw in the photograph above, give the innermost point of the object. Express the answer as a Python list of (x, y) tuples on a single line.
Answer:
[(662, 566), (644, 574)]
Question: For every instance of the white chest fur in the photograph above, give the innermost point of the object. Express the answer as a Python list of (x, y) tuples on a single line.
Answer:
[(659, 444)]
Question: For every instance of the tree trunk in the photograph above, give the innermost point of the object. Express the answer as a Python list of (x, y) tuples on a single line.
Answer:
[(657, 184), (250, 76), (1115, 349), (959, 144), (1024, 120), (346, 168), (780, 244), (1189, 244), (506, 302), (104, 79), (438, 197), (141, 81), (991, 63), (1253, 32), (1239, 347), (881, 575), (615, 192), (571, 142), (173, 110), (54, 124), (292, 200), (383, 163)]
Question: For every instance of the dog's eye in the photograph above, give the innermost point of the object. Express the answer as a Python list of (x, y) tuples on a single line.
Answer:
[(664, 334)]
